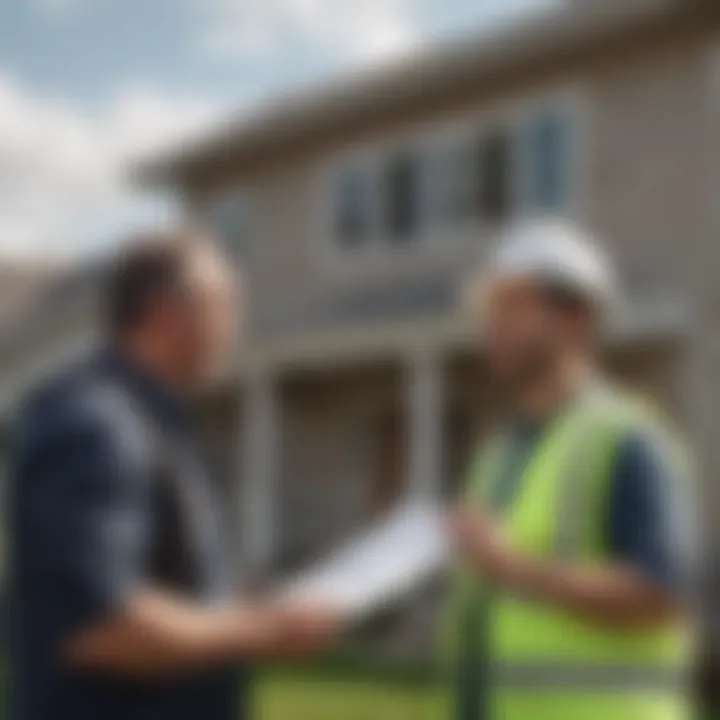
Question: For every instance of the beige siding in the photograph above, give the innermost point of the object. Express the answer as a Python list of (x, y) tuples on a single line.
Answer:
[(649, 168), (643, 165), (648, 164), (336, 465)]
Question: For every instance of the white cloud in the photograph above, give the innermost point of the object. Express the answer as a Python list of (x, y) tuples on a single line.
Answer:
[(57, 6), (355, 29), (63, 181)]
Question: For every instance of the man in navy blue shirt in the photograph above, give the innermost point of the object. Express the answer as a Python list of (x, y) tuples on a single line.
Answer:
[(121, 584)]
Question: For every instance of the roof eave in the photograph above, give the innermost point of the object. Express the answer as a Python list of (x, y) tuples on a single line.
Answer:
[(312, 112)]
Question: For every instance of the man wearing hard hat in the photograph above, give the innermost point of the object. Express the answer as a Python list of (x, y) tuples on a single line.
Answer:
[(573, 539)]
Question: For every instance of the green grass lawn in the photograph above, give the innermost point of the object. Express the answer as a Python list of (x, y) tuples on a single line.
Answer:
[(336, 691), (279, 697)]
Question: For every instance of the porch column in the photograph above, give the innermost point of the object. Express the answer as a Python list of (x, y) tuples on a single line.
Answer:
[(260, 460), (425, 406)]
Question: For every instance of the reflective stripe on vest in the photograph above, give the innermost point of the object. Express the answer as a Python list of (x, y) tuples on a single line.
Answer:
[(551, 675)]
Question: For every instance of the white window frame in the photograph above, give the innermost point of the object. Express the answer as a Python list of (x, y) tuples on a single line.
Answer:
[(380, 253)]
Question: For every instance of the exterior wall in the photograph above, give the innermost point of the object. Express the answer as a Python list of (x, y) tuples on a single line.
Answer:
[(649, 167), (641, 161), (343, 458), (648, 111)]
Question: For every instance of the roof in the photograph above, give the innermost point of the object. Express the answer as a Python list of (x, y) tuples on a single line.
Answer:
[(347, 100), (20, 286), (63, 290)]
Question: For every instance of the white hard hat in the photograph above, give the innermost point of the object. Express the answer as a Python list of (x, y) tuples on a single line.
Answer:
[(554, 251)]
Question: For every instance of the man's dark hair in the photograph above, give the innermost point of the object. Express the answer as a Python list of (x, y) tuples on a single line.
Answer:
[(146, 268)]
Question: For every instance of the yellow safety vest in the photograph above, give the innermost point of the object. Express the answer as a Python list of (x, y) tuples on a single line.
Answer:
[(541, 662)]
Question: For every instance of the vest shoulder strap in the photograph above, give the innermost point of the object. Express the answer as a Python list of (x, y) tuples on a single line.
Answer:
[(608, 418)]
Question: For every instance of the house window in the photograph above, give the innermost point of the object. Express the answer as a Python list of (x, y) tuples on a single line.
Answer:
[(485, 175), (546, 162), (447, 187), (354, 208), (402, 197), (230, 222), (493, 179)]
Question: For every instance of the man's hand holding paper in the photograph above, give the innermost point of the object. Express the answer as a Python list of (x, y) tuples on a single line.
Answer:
[(479, 539), (289, 630), (401, 551)]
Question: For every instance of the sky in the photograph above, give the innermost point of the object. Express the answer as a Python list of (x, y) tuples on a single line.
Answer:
[(87, 86)]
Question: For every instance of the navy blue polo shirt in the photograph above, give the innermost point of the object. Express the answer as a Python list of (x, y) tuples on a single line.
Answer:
[(91, 524)]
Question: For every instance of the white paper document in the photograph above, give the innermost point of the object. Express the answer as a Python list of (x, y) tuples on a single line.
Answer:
[(392, 558)]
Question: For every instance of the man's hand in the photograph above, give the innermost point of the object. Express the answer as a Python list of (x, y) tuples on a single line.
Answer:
[(479, 539), (291, 630), (156, 635), (612, 596)]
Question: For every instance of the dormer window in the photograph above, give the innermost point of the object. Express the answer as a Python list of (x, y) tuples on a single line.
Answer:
[(457, 181)]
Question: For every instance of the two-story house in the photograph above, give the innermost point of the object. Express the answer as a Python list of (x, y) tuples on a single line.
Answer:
[(356, 211)]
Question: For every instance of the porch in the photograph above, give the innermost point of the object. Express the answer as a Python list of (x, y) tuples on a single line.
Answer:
[(313, 453)]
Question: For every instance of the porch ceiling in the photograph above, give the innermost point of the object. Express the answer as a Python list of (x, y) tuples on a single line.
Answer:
[(638, 323)]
